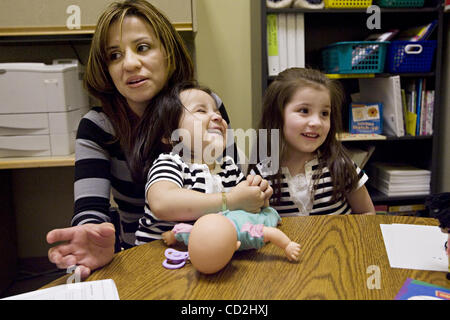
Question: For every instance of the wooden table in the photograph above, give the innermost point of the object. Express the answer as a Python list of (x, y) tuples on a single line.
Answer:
[(335, 261)]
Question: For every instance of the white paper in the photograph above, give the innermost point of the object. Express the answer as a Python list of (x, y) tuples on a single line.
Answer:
[(90, 290), (415, 246)]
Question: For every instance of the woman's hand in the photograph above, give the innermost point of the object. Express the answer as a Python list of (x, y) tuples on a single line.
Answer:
[(90, 246)]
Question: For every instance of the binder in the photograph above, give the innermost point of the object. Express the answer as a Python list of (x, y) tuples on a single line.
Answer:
[(282, 41), (300, 40), (387, 91), (291, 39), (272, 45)]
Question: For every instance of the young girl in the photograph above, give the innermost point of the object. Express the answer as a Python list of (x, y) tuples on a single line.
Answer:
[(187, 181), (316, 176)]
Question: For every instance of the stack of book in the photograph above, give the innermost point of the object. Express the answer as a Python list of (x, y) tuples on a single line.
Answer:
[(399, 180)]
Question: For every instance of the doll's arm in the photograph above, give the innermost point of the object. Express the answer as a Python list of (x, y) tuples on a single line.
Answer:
[(180, 232), (280, 239), (169, 238)]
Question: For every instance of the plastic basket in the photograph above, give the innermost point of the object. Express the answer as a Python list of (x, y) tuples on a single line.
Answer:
[(348, 3), (355, 57), (400, 3), (409, 56)]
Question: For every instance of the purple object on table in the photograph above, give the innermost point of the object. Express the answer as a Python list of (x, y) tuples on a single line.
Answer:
[(175, 259)]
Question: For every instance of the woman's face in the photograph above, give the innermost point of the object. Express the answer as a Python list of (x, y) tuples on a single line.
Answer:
[(137, 62)]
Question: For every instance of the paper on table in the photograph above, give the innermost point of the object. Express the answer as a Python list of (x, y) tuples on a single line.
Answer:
[(89, 290), (415, 247)]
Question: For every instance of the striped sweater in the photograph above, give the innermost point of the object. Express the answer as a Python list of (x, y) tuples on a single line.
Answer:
[(191, 176), (322, 193)]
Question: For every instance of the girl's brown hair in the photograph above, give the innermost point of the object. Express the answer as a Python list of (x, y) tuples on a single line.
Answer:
[(97, 79), (331, 153)]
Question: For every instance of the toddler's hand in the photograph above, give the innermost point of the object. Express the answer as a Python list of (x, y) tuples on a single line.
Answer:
[(257, 180), (245, 197), (292, 251)]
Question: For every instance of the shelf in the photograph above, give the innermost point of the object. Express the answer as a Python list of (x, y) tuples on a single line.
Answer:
[(46, 34), (379, 197), (373, 75), (356, 10), (37, 162)]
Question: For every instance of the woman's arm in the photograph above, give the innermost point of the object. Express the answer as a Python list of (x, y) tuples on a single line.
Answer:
[(361, 202)]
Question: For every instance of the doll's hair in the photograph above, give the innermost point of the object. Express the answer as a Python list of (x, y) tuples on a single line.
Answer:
[(331, 153), (160, 119)]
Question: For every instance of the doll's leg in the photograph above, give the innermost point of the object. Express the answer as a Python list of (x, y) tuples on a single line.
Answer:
[(281, 240)]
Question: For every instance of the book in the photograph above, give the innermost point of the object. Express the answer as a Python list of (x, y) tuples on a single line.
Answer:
[(282, 40), (365, 118), (399, 179), (419, 290), (300, 40), (419, 33), (405, 111), (347, 136), (406, 210), (420, 88), (381, 209), (360, 156), (388, 92), (291, 34), (285, 42), (273, 58), (429, 113)]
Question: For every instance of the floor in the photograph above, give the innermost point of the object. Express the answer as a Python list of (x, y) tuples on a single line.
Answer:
[(33, 273)]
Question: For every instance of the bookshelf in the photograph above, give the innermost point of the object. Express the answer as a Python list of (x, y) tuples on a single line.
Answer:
[(327, 26)]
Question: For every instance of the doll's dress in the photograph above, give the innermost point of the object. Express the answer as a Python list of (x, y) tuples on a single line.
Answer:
[(249, 227)]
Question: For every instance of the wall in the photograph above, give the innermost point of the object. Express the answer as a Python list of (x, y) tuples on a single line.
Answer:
[(228, 56), (444, 138)]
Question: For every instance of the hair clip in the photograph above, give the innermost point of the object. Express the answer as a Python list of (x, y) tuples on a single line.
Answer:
[(175, 259)]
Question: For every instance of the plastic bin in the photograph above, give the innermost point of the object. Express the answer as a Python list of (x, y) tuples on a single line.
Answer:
[(400, 3), (355, 57), (410, 56), (341, 4)]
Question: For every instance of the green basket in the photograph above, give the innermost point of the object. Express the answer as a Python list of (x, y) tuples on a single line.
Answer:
[(355, 57), (400, 3)]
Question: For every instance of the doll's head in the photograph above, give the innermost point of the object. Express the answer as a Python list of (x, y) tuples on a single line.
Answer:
[(212, 243)]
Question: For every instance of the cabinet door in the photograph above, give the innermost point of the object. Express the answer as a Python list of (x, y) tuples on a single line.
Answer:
[(38, 17)]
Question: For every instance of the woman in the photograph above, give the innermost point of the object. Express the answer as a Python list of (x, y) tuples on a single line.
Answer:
[(136, 54)]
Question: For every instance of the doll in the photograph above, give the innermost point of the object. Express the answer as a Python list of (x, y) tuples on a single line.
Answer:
[(214, 238)]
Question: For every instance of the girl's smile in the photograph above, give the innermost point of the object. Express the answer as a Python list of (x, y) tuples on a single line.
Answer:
[(204, 124)]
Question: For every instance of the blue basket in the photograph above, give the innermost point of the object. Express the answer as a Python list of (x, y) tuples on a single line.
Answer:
[(355, 57), (410, 56)]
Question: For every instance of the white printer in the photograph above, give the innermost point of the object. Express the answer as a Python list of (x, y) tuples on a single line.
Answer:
[(40, 108)]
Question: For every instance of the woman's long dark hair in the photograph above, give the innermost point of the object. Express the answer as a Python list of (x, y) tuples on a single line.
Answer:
[(153, 134), (97, 80), (331, 153)]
